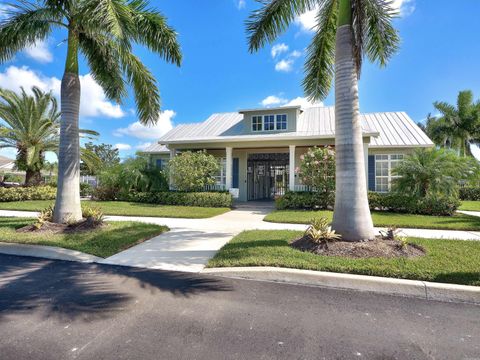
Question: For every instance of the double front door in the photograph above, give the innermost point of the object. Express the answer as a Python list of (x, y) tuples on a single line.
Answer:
[(267, 175)]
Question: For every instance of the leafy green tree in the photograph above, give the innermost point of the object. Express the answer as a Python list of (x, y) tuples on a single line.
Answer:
[(105, 32), (192, 171), (31, 125), (317, 169), (432, 172), (457, 127), (107, 154), (346, 32)]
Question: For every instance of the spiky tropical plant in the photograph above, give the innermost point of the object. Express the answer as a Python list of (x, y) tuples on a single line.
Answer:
[(104, 31), (31, 125), (346, 32), (456, 127)]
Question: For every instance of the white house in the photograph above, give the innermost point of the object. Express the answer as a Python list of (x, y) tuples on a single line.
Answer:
[(259, 149)]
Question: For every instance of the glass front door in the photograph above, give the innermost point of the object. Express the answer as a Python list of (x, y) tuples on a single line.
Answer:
[(267, 175)]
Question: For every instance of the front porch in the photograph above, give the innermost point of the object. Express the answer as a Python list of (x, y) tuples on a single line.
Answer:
[(261, 173)]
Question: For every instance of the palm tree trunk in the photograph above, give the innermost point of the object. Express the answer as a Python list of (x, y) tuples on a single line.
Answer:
[(67, 204), (351, 217), (32, 177)]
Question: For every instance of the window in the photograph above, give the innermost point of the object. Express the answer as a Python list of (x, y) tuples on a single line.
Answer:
[(384, 164), (269, 122), (221, 177), (281, 122), (256, 123), (160, 163)]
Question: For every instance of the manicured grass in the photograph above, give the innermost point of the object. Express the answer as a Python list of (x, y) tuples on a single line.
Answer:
[(104, 242), (451, 261), (385, 219), (125, 208), (470, 206)]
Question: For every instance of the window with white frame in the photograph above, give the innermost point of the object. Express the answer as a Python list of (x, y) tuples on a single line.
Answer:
[(221, 177), (281, 122), (269, 122), (257, 123), (384, 164)]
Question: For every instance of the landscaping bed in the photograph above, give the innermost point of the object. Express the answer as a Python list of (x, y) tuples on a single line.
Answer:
[(447, 261), (125, 208), (385, 219), (103, 241)]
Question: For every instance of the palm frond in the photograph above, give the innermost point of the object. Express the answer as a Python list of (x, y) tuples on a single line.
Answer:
[(320, 61), (273, 18)]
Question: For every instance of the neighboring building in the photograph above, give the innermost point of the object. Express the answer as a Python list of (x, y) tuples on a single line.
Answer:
[(259, 149), (6, 164)]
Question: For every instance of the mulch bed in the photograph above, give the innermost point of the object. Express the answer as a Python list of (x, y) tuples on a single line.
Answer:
[(377, 248), (53, 228)]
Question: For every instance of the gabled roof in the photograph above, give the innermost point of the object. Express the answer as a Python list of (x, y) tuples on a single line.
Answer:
[(6, 163), (392, 129), (156, 148)]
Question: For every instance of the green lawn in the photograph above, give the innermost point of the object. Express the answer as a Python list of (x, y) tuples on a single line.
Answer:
[(104, 242), (384, 219), (451, 261), (470, 206), (125, 208)]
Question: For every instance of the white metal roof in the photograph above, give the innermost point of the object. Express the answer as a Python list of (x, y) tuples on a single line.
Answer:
[(391, 129), (156, 148)]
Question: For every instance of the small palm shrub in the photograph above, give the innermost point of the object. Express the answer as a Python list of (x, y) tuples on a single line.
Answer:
[(93, 215), (46, 215), (320, 232)]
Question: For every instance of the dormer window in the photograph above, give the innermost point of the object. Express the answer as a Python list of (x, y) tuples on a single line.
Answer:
[(269, 122), (257, 123)]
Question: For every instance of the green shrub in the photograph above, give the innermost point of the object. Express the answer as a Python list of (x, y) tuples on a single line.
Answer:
[(192, 171), (93, 214), (305, 200), (430, 205), (46, 215), (317, 169), (27, 193), (86, 189), (201, 199), (470, 193)]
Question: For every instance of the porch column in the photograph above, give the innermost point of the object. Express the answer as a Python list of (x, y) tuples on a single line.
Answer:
[(173, 152), (291, 173), (365, 154), (229, 170)]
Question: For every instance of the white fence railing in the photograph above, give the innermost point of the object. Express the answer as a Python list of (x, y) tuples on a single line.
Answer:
[(303, 188), (216, 187)]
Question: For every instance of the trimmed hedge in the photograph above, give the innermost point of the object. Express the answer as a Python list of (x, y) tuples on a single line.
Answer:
[(201, 199), (469, 193), (394, 202), (27, 193), (304, 200)]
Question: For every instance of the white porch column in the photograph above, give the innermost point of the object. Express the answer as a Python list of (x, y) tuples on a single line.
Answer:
[(291, 169), (173, 152), (229, 170), (365, 154)]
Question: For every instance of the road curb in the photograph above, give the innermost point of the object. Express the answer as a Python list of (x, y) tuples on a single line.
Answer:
[(47, 252), (390, 286)]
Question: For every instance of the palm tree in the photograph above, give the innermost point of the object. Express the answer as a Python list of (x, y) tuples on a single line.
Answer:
[(104, 31), (31, 125), (456, 127), (346, 32)]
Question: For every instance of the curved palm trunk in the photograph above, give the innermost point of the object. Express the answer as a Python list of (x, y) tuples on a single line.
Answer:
[(351, 217), (67, 204)]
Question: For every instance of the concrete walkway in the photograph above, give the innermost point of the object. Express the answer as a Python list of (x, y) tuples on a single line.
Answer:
[(190, 243)]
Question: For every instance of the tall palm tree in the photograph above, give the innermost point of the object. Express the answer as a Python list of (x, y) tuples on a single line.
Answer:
[(104, 31), (346, 32), (456, 127), (31, 125)]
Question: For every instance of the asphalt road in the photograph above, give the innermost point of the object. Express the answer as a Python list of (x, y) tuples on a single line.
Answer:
[(62, 310)]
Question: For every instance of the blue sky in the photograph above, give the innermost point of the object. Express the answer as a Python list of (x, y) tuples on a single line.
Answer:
[(438, 57)]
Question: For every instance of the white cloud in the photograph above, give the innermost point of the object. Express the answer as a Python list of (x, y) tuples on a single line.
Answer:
[(295, 54), (241, 4), (277, 49), (284, 65), (39, 52), (4, 8), (93, 100), (308, 20), (121, 146), (273, 100), (137, 130), (303, 102)]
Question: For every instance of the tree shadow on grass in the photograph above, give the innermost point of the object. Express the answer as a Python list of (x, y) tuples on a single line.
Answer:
[(467, 278), (68, 290)]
